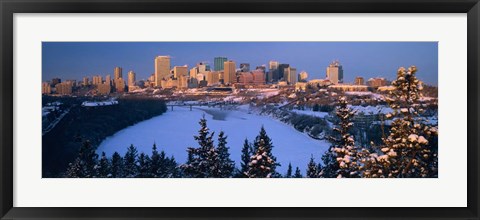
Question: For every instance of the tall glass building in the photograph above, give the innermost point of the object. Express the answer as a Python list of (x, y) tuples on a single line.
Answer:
[(218, 63)]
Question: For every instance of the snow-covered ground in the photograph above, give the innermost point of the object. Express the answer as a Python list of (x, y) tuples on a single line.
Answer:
[(371, 110), (311, 113), (104, 103), (173, 132)]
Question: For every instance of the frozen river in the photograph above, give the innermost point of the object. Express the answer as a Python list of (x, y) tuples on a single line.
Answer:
[(174, 130)]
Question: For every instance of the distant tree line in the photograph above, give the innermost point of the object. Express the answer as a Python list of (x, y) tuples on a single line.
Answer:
[(60, 146)]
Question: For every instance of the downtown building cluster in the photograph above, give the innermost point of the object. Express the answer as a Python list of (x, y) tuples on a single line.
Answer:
[(225, 73)]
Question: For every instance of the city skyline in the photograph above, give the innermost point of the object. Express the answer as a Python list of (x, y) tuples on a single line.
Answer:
[(74, 60)]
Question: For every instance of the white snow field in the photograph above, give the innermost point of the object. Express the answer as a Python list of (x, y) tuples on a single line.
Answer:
[(173, 132)]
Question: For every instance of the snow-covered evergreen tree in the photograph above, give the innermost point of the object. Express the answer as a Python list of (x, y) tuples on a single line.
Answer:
[(86, 165), (104, 166), (289, 171), (313, 170), (262, 163), (117, 166), (268, 145), (247, 152), (227, 165), (74, 169), (343, 146), (406, 151), (203, 162), (298, 173), (330, 164), (130, 167), (155, 162), (144, 169)]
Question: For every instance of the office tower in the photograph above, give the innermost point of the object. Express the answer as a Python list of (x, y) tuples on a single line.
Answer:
[(203, 67), (151, 78), (200, 77), (117, 73), (64, 88), (359, 81), (193, 72), (131, 78), (56, 81), (97, 80), (104, 88), (120, 85), (291, 75), (183, 81), (229, 76), (302, 77), (85, 81), (261, 68), (162, 69), (282, 75), (335, 72), (46, 89), (213, 78), (272, 71), (218, 63), (376, 82), (180, 71), (108, 79), (244, 67)]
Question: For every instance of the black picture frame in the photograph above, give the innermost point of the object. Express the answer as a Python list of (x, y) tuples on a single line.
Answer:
[(10, 7)]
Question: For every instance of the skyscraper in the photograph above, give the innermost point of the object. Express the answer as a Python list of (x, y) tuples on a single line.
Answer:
[(245, 67), (335, 72), (193, 72), (272, 71), (180, 71), (359, 80), (203, 67), (282, 75), (131, 78), (117, 73), (162, 69), (85, 81), (291, 75), (302, 77), (97, 80), (218, 63), (108, 80), (229, 76)]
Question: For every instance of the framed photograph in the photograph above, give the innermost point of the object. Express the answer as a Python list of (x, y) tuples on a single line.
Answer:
[(239, 109)]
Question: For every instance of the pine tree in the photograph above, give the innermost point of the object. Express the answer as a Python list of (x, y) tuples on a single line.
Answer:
[(104, 169), (130, 167), (117, 166), (227, 165), (262, 163), (406, 151), (330, 165), (289, 171), (203, 162), (173, 170), (268, 145), (298, 173), (144, 169), (74, 169), (247, 152), (86, 165), (343, 147), (313, 170), (163, 166), (154, 161)]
